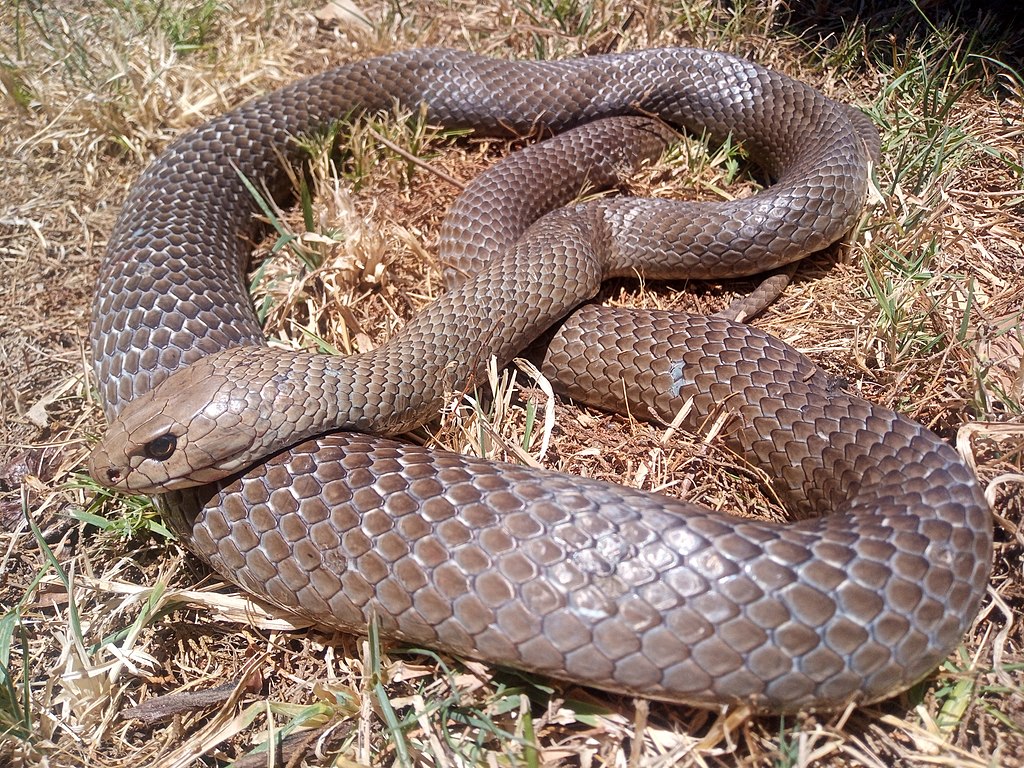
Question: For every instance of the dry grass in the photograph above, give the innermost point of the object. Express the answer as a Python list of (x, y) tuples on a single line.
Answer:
[(921, 311)]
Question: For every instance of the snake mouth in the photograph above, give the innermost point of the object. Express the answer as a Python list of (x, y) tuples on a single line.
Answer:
[(104, 470), (113, 467), (114, 475), (130, 479)]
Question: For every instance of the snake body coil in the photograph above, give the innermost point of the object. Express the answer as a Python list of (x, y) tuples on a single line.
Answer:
[(566, 576)]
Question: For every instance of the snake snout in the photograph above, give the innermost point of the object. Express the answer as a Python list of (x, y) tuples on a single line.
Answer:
[(104, 470)]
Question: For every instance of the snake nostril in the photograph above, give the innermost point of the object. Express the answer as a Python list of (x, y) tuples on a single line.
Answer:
[(113, 474)]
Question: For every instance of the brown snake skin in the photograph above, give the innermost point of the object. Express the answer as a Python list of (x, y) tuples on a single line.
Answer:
[(570, 577)]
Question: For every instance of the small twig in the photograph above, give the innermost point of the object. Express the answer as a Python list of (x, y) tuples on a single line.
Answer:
[(417, 161)]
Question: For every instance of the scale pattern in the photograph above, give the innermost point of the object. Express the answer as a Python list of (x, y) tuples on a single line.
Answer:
[(570, 577)]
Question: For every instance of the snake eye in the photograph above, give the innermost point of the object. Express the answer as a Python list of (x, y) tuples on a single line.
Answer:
[(161, 448)]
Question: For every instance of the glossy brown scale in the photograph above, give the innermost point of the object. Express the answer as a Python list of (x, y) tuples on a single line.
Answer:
[(570, 577)]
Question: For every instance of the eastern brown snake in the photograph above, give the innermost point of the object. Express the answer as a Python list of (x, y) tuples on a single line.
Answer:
[(569, 577)]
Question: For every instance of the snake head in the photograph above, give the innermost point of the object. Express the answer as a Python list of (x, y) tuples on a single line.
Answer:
[(193, 428)]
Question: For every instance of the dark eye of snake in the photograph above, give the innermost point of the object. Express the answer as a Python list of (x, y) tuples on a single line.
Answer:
[(161, 448)]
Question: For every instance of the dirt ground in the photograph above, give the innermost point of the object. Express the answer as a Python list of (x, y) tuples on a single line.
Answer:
[(117, 646)]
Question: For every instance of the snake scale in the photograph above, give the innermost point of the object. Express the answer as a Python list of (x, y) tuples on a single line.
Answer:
[(566, 576)]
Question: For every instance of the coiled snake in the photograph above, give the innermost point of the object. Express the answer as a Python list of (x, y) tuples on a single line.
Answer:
[(569, 577)]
